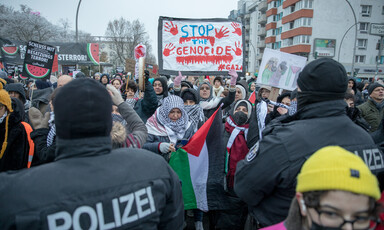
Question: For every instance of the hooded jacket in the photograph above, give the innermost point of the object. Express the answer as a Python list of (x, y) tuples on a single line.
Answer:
[(16, 154), (285, 146), (40, 98)]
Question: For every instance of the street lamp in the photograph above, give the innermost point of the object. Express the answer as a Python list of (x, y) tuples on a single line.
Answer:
[(254, 51), (77, 16), (354, 46), (338, 56)]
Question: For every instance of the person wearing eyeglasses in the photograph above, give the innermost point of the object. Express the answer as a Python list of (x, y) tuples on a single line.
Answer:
[(335, 190)]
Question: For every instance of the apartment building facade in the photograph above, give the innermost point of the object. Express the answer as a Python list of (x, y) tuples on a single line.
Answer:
[(326, 28)]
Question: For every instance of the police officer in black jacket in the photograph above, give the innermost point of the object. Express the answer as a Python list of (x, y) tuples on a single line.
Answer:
[(266, 178), (89, 186)]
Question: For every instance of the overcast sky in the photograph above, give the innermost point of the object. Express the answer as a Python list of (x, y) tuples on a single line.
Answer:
[(94, 15)]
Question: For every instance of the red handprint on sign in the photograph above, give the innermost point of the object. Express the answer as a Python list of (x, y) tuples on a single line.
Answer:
[(237, 28), (171, 28), (222, 32), (238, 50), (168, 49)]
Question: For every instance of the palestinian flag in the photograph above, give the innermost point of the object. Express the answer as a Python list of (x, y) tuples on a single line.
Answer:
[(252, 98), (200, 164)]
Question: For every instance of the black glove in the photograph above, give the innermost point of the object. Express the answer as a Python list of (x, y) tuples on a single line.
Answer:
[(146, 76)]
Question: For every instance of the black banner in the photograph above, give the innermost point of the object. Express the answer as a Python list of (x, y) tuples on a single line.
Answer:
[(67, 53), (38, 60)]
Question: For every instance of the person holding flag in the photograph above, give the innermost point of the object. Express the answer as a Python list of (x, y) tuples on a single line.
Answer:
[(238, 139), (167, 126)]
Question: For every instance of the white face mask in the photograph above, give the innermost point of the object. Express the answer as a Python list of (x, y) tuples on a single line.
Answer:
[(3, 117)]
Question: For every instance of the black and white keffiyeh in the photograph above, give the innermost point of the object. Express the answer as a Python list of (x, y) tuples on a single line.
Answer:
[(175, 129), (195, 115), (52, 129)]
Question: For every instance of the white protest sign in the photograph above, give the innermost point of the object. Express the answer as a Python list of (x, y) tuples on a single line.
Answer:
[(200, 45), (279, 69)]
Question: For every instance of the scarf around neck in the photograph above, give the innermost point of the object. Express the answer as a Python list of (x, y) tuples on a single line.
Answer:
[(195, 115), (236, 146), (175, 129)]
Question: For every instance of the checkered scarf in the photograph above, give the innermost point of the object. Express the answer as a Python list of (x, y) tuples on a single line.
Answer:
[(175, 129)]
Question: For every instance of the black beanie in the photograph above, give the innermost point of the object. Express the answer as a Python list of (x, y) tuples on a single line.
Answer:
[(373, 87), (80, 75), (190, 94), (83, 109), (323, 75)]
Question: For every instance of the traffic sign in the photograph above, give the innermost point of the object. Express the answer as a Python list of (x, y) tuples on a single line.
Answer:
[(377, 29)]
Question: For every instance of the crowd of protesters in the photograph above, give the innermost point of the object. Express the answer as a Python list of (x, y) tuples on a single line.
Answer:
[(91, 152)]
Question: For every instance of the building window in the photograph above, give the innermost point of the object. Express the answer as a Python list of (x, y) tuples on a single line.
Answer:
[(366, 10), (287, 42), (306, 21), (359, 58), (362, 44), (381, 61), (363, 27), (382, 11), (304, 4), (301, 39)]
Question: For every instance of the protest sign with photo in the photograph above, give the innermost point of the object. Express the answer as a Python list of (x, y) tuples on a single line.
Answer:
[(38, 60), (200, 46), (280, 70)]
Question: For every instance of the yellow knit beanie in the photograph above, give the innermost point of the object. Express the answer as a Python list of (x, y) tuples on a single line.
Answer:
[(5, 99), (334, 168)]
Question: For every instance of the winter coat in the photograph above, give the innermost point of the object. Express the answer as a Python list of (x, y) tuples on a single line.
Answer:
[(226, 101), (43, 153), (89, 184), (285, 147), (147, 106), (138, 131), (154, 140), (15, 156), (371, 114), (40, 98)]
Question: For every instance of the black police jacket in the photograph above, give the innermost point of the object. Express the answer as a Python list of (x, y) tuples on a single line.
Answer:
[(91, 187), (266, 178)]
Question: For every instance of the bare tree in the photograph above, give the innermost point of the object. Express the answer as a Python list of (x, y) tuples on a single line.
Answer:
[(124, 37), (25, 25)]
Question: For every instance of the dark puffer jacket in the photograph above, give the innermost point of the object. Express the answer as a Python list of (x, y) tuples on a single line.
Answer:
[(88, 185), (16, 154), (285, 147)]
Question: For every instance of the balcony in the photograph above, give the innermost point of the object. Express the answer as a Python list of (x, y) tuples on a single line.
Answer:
[(263, 18), (263, 6), (261, 31), (261, 44)]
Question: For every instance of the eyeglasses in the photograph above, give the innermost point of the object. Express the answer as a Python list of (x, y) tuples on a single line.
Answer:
[(333, 219)]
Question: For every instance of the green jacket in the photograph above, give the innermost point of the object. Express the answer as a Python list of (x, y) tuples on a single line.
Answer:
[(371, 114)]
